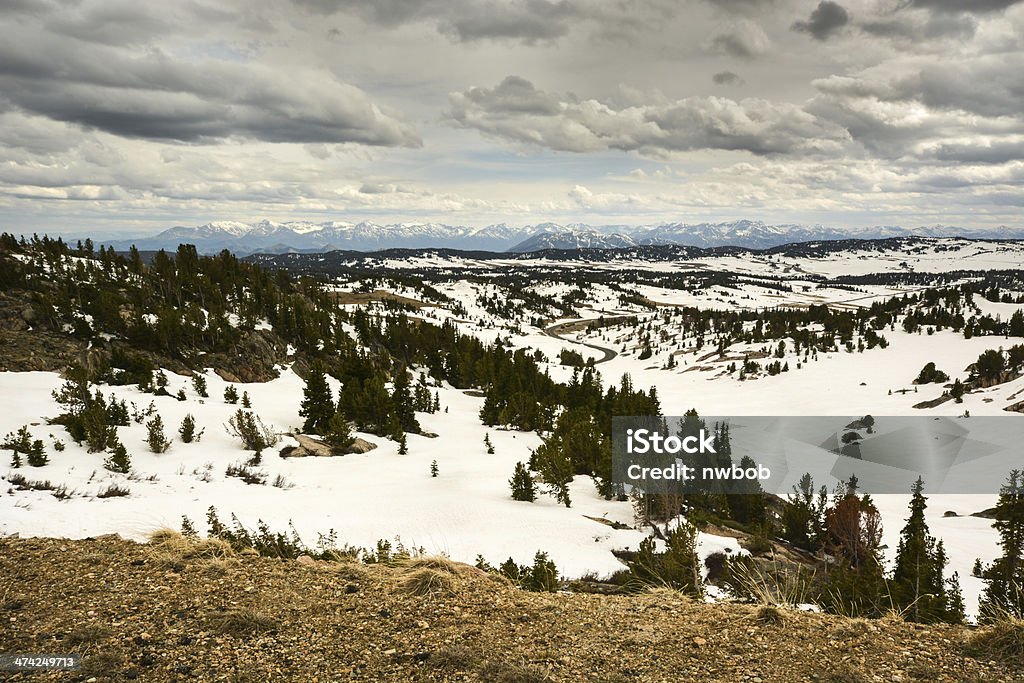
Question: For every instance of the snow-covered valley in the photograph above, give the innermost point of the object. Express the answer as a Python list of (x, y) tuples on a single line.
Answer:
[(465, 511)]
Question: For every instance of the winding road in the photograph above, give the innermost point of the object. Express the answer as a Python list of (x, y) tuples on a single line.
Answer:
[(569, 326)]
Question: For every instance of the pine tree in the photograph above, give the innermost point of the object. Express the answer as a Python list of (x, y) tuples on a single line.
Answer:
[(488, 444), (246, 401), (403, 445), (231, 394), (317, 402), (918, 586), (522, 484), (158, 443), (957, 392), (555, 468), (1004, 578), (249, 428), (803, 518), (339, 434), (433, 468), (680, 561), (402, 403), (36, 456), (199, 384), (118, 460), (187, 430)]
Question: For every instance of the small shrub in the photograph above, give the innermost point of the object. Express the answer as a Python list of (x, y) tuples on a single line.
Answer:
[(23, 484), (114, 491), (246, 474), (62, 492)]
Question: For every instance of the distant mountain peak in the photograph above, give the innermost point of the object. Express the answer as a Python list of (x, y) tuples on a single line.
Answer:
[(270, 236)]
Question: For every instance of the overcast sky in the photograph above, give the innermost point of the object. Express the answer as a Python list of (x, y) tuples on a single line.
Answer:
[(128, 116)]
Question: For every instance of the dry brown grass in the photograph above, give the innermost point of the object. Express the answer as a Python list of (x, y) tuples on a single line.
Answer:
[(438, 563), (172, 549), (86, 634), (426, 581), (1003, 640), (770, 615), (241, 622), (501, 672), (454, 658)]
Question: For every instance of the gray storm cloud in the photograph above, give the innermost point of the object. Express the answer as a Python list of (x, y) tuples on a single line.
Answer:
[(148, 94), (517, 111), (825, 20)]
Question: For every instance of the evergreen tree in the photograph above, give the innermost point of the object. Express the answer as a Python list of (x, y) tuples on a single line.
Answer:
[(155, 437), (199, 384), (339, 434), (403, 445), (36, 456), (231, 394), (20, 443), (118, 460), (402, 403), (249, 428), (918, 586), (555, 467), (522, 484), (433, 468), (187, 430), (246, 401), (317, 402), (1004, 578), (488, 444), (678, 567), (957, 391), (803, 518)]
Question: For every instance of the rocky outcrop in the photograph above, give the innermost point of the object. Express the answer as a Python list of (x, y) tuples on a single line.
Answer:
[(309, 446), (253, 359)]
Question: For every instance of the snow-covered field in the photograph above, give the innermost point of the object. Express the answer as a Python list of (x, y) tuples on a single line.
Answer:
[(466, 510)]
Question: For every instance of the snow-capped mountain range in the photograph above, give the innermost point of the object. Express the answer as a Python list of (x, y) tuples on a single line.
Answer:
[(293, 236)]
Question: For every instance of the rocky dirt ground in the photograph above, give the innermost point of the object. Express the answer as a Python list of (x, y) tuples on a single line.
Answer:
[(176, 610)]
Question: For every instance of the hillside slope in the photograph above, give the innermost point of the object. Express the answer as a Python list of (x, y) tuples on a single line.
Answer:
[(177, 611)]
